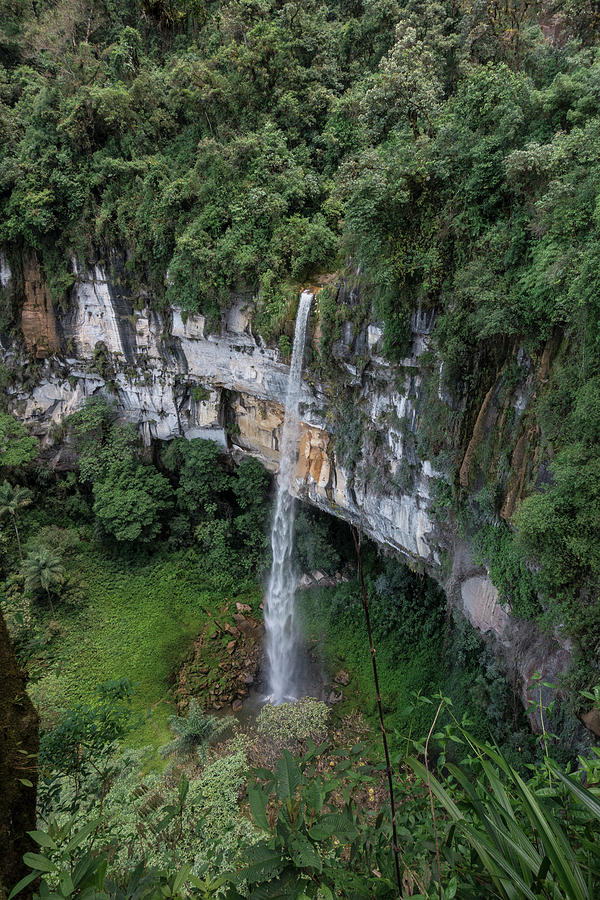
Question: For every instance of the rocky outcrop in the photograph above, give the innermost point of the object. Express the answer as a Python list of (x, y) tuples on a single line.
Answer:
[(169, 377), (481, 606)]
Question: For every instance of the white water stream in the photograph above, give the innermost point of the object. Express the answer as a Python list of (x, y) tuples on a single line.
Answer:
[(280, 630)]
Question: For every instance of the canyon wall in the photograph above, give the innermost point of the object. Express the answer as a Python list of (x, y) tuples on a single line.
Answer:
[(170, 377)]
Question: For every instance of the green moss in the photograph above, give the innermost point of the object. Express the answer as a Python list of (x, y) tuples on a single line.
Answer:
[(200, 394)]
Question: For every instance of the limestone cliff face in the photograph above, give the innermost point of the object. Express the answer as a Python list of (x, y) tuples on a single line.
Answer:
[(170, 377)]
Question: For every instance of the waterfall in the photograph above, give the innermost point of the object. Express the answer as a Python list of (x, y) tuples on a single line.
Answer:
[(279, 607)]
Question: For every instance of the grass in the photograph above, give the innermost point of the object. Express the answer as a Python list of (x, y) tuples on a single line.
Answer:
[(138, 620)]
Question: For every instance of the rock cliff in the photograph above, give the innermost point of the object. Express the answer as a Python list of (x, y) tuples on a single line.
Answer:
[(170, 377)]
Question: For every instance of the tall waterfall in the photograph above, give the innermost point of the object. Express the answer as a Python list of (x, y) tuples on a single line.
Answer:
[(280, 628)]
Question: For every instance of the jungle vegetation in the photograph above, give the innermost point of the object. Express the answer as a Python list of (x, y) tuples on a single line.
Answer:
[(436, 153)]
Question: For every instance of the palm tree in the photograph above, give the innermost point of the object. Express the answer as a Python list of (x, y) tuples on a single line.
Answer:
[(13, 499), (43, 570), (195, 731)]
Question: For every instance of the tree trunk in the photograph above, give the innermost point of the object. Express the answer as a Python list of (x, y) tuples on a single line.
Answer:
[(19, 743)]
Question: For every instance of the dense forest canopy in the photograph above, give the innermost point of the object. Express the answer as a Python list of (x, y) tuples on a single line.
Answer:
[(448, 149), (447, 152)]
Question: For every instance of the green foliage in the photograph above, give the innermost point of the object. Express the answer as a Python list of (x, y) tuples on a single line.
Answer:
[(12, 499), (219, 789), (298, 721), (200, 394), (44, 573), (285, 346), (559, 527), (314, 542), (250, 487), (302, 853), (195, 731), (446, 154), (250, 484), (87, 732), (68, 868), (407, 616), (418, 644), (509, 569), (131, 501), (446, 147), (227, 511), (100, 440), (201, 476), (403, 604), (138, 619), (322, 824), (520, 832), (17, 447), (329, 322)]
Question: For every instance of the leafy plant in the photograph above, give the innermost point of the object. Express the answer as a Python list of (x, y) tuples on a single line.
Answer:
[(17, 447), (298, 721), (130, 501), (195, 731)]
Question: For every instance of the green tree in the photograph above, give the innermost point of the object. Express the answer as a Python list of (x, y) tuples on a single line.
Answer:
[(250, 487), (202, 479), (407, 88), (85, 736), (44, 572), (131, 501), (12, 499), (100, 439), (17, 447)]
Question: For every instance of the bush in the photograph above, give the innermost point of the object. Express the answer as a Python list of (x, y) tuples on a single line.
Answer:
[(314, 543), (290, 722), (195, 731), (131, 500)]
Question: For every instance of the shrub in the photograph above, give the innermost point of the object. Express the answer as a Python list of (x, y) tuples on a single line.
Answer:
[(288, 722), (130, 501), (195, 731)]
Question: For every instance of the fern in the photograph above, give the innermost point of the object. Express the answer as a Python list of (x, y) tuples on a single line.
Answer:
[(194, 732)]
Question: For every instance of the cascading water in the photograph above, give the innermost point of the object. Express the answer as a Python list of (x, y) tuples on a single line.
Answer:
[(280, 629)]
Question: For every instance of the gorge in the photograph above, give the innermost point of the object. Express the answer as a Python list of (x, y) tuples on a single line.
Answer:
[(299, 291), (169, 377)]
